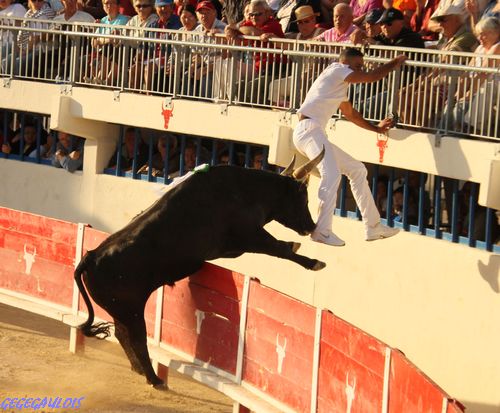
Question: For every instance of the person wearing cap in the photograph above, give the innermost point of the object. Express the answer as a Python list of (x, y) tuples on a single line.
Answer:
[(342, 25), (360, 8), (393, 27), (371, 33), (207, 15), (306, 20), (327, 94), (456, 36), (166, 17)]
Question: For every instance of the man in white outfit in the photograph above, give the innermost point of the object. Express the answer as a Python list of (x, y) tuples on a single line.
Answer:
[(327, 94)]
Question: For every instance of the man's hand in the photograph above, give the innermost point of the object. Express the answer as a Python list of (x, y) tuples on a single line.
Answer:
[(74, 155), (386, 124), (400, 59)]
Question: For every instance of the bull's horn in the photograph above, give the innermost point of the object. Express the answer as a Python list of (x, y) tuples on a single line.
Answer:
[(288, 171), (306, 169)]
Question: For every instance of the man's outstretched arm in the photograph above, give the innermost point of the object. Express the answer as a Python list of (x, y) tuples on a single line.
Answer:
[(376, 74), (355, 117)]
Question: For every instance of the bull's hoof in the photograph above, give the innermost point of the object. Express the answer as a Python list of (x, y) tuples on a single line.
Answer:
[(296, 246), (318, 266), (160, 386)]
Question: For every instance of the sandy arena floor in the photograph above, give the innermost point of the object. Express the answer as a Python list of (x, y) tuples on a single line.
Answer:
[(35, 362)]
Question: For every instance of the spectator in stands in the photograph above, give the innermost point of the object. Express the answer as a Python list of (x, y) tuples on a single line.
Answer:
[(360, 8), (265, 66), (92, 7), (342, 25), (207, 16), (371, 32), (200, 73), (396, 34), (188, 18), (154, 66), (145, 18), (473, 8), (163, 156), (192, 151), (47, 146), (8, 9), (426, 96), (69, 152), (381, 198), (306, 19), (106, 65), (483, 90), (398, 207), (287, 13), (30, 44), (132, 148), (258, 159), (22, 144), (72, 14), (126, 7), (420, 20)]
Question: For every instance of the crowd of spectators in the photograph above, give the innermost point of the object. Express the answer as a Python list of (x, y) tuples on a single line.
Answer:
[(448, 25), (451, 25)]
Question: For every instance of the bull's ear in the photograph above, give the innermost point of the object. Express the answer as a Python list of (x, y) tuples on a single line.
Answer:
[(288, 171), (301, 173)]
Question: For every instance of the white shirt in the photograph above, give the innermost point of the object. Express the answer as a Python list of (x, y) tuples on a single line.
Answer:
[(78, 17), (327, 92), (14, 10)]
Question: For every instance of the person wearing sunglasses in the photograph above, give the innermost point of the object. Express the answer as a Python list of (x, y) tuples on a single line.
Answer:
[(307, 25), (145, 18), (396, 33)]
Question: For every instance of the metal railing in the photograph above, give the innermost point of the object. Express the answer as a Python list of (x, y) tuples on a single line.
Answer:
[(441, 92)]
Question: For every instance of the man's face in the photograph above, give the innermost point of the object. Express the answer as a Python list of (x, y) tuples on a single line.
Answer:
[(372, 29), (110, 7), (392, 29), (342, 18), (307, 26), (64, 139), (257, 14), (206, 16), (164, 12), (356, 63)]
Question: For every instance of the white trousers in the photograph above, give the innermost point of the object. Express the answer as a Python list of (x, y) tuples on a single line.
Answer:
[(309, 138)]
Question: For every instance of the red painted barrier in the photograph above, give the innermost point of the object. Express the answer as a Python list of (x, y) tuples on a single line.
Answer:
[(351, 369), (279, 346), (37, 255), (284, 353), (201, 316)]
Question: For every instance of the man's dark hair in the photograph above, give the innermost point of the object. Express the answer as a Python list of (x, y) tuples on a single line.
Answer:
[(350, 52)]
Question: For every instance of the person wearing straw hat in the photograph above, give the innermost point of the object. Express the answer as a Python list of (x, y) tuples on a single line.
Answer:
[(327, 94), (306, 20)]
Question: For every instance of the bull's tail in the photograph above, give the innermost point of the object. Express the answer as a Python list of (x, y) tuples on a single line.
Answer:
[(99, 330)]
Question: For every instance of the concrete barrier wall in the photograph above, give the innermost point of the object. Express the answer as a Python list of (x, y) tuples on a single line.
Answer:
[(290, 354)]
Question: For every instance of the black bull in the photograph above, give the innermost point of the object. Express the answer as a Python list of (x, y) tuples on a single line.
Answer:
[(220, 213)]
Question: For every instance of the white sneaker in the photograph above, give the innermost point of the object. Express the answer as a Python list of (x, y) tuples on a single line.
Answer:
[(380, 231), (329, 238)]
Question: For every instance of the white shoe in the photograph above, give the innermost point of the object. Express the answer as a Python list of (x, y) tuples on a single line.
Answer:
[(329, 238), (380, 231)]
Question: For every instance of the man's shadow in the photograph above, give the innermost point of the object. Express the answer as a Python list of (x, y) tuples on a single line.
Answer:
[(491, 272)]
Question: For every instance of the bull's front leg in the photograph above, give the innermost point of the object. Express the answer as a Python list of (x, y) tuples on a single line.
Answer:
[(263, 242)]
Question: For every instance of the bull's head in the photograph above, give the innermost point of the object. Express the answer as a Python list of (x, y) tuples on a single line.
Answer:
[(295, 213)]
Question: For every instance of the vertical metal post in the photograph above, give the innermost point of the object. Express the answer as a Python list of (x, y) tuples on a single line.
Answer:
[(437, 207)]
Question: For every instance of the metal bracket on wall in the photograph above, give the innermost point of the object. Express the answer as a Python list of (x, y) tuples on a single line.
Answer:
[(223, 108), (6, 82), (286, 117), (169, 103), (66, 89), (437, 139), (116, 95), (332, 124)]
